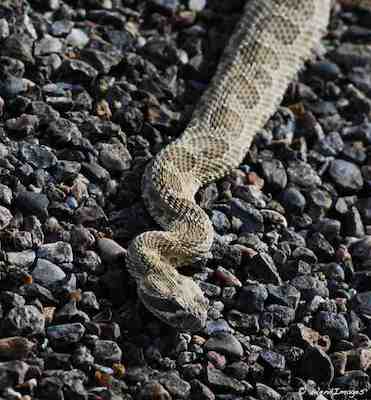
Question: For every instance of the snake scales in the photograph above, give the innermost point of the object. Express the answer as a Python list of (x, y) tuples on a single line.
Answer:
[(267, 49)]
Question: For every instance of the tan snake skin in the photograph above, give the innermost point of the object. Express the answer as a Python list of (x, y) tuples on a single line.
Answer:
[(268, 48)]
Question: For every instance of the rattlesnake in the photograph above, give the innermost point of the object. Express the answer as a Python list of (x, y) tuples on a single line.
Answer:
[(268, 47)]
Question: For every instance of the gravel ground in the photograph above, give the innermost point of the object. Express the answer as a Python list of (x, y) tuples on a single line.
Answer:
[(89, 92)]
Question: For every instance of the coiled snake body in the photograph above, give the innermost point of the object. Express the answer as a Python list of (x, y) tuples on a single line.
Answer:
[(268, 47)]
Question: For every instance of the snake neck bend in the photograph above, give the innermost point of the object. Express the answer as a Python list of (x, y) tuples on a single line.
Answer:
[(268, 47)]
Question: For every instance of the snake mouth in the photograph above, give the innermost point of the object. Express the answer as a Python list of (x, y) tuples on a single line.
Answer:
[(172, 313), (188, 322)]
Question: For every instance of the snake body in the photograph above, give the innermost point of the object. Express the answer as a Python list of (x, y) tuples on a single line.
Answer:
[(268, 47)]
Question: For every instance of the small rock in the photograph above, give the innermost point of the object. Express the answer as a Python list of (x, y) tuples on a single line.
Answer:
[(222, 383), (320, 246), (94, 172), (38, 156), (362, 303), (201, 391), (5, 217), (58, 252), (226, 278), (361, 249), (115, 157), (303, 175), (23, 259), (110, 251), (346, 175), (153, 390), (63, 131), (78, 71), (332, 324), (272, 360), (277, 316), (285, 295), (221, 325), (44, 112), (274, 173), (266, 392), (4, 29), (358, 359), (47, 45), (316, 364), (33, 203), (15, 347), (19, 46), (246, 217), (26, 320), (197, 5), (6, 195), (353, 379), (218, 360), (262, 267), (107, 352), (61, 27), (309, 287), (251, 298), (353, 225), (66, 333), (293, 200), (168, 5), (220, 222), (46, 273), (177, 387), (12, 373), (225, 343), (77, 38), (25, 124)]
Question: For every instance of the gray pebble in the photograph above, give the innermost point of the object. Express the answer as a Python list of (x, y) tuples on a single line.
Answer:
[(5, 217), (25, 124), (303, 175), (221, 382), (26, 320), (332, 324), (23, 259), (310, 287), (225, 343), (66, 333), (58, 252), (48, 45), (33, 203), (46, 273), (4, 28), (77, 38), (107, 351), (262, 267), (151, 390), (274, 174), (110, 251), (346, 175), (285, 295), (115, 157), (6, 195), (266, 392), (12, 373), (252, 298), (293, 200), (61, 27)]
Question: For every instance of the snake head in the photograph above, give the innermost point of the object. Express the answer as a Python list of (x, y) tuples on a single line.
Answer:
[(178, 302)]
